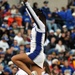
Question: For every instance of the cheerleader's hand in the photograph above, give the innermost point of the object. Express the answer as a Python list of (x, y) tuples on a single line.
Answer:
[(23, 2)]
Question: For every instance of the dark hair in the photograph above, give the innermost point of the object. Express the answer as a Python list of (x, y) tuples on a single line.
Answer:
[(42, 18), (60, 40), (1, 49), (53, 65), (14, 6), (46, 65), (45, 2), (34, 4), (63, 8)]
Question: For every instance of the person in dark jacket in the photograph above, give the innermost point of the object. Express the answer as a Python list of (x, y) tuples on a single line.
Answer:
[(45, 9), (35, 6), (6, 71), (6, 5)]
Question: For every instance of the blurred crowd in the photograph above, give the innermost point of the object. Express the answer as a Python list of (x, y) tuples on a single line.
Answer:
[(59, 47)]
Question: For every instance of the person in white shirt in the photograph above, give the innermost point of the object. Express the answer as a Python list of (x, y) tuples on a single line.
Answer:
[(13, 10), (18, 38), (4, 44), (49, 59), (60, 47)]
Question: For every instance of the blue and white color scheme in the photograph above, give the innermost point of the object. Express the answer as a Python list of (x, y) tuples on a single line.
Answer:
[(37, 39)]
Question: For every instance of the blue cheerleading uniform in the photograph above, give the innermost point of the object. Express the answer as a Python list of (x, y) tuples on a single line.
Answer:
[(36, 53)]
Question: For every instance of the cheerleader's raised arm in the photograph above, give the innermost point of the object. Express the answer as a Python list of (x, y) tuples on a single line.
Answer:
[(38, 22)]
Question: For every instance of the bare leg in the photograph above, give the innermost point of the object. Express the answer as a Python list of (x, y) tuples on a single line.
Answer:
[(20, 60), (37, 69)]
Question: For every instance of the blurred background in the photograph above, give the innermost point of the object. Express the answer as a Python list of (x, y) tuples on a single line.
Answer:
[(59, 46), (52, 3)]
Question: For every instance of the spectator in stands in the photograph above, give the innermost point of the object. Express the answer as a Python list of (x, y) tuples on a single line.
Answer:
[(9, 54), (1, 69), (51, 34), (3, 30), (21, 8), (60, 47), (2, 12), (62, 13), (55, 61), (12, 67), (72, 45), (48, 40), (1, 49), (22, 46), (56, 70), (73, 20), (63, 35), (2, 58), (46, 11), (18, 18), (11, 35), (22, 51), (67, 41), (51, 46), (3, 43), (22, 31), (60, 56), (5, 23), (73, 2), (26, 39), (58, 33), (58, 19), (67, 70), (14, 70), (6, 71), (56, 10), (26, 20), (15, 45), (49, 59), (64, 28), (35, 6), (52, 43), (10, 64), (27, 46), (7, 14), (15, 27), (13, 10), (68, 15), (6, 4), (52, 25), (19, 38), (8, 17), (46, 69), (73, 34)]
